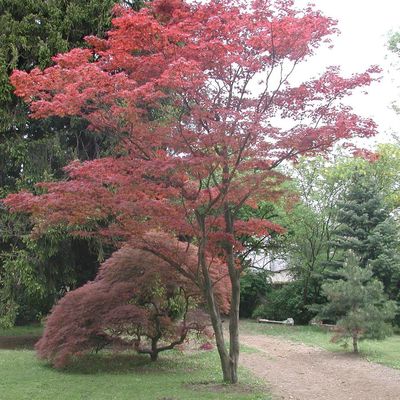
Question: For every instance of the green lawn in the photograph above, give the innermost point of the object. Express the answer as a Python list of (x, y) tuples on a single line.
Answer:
[(385, 352), (121, 376), (31, 330)]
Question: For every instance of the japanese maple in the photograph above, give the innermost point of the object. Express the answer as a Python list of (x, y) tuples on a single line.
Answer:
[(195, 93), (137, 301)]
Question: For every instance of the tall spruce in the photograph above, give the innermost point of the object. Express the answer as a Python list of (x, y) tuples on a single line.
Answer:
[(367, 228)]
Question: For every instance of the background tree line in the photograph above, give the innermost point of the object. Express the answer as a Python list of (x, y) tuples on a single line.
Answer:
[(35, 273), (344, 204)]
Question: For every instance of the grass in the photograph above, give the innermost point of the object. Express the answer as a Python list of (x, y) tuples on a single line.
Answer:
[(120, 376), (28, 330), (385, 352)]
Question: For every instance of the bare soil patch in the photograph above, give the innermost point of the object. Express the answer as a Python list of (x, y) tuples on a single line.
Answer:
[(221, 388), (295, 371)]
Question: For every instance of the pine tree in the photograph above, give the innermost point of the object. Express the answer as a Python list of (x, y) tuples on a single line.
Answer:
[(357, 303), (367, 229)]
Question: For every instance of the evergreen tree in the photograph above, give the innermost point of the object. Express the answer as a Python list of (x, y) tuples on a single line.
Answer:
[(357, 303), (367, 229), (33, 274), (32, 31)]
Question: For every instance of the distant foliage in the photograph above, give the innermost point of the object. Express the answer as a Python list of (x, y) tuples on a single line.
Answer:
[(394, 43), (345, 203), (254, 286), (33, 275), (137, 301), (285, 302)]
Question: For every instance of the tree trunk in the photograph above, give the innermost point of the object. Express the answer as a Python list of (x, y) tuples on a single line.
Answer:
[(154, 350), (219, 334), (212, 305), (355, 344), (305, 288), (234, 329), (234, 274)]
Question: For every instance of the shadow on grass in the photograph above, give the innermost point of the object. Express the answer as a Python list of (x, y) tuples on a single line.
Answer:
[(26, 342), (215, 387), (120, 363)]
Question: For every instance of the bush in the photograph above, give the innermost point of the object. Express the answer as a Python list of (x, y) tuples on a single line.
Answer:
[(284, 302), (254, 286)]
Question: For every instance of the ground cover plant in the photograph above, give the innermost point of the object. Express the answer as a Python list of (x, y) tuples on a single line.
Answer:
[(385, 352)]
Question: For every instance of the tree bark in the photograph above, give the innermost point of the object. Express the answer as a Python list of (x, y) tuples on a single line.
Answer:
[(212, 305), (234, 331), (234, 274), (355, 344), (154, 350)]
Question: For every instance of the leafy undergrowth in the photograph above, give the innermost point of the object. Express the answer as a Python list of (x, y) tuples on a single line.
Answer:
[(385, 352), (175, 376)]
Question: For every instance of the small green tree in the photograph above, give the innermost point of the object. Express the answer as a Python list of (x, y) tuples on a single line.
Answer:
[(357, 303)]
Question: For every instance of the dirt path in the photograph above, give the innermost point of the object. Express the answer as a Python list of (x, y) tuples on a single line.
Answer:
[(299, 372)]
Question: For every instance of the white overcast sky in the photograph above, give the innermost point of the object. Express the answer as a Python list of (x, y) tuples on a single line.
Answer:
[(365, 27)]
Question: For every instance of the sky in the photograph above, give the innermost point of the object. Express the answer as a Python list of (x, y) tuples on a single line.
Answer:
[(365, 26)]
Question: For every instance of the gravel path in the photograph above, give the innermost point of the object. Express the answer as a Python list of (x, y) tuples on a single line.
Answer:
[(298, 372)]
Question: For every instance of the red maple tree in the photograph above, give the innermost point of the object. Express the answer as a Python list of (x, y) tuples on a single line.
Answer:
[(195, 94), (137, 300)]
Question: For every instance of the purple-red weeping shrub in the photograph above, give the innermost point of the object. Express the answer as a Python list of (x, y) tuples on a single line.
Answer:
[(137, 300)]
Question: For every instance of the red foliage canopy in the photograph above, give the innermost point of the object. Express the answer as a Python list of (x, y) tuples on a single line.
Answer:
[(218, 73)]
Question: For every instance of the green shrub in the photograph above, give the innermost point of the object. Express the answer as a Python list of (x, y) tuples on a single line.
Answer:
[(254, 287), (284, 302)]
